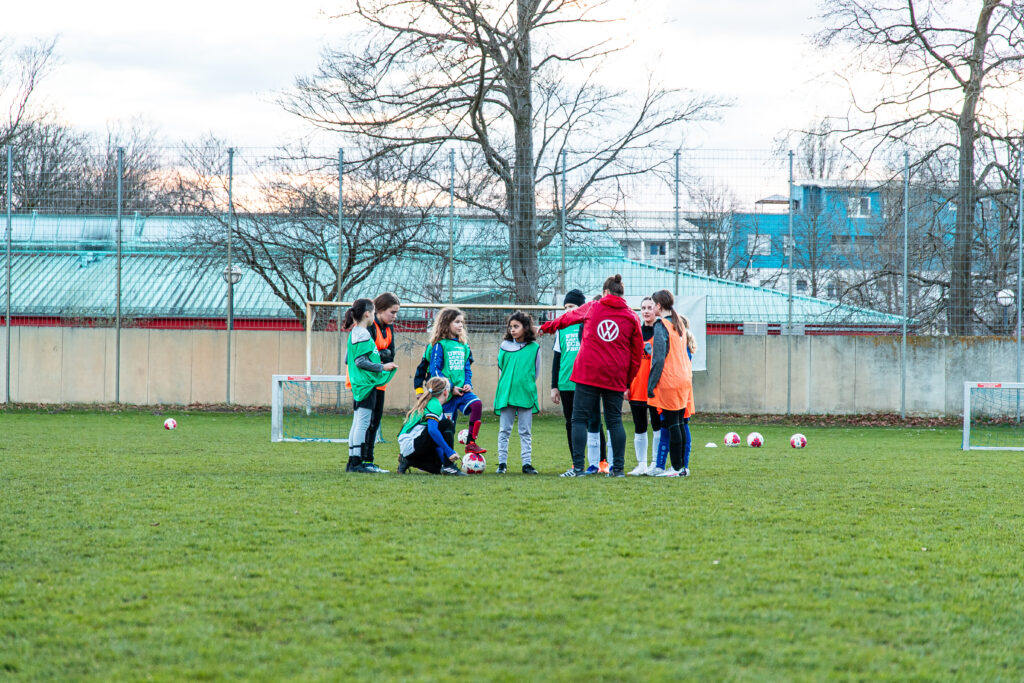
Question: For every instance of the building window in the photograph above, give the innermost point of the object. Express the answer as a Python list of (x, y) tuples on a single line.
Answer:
[(831, 289), (759, 245), (859, 207), (657, 249), (801, 286)]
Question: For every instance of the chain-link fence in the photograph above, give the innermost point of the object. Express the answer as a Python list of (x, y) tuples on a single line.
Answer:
[(210, 238)]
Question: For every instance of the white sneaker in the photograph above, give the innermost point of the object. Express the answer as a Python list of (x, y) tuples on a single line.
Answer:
[(655, 471), (668, 473), (638, 471), (685, 472)]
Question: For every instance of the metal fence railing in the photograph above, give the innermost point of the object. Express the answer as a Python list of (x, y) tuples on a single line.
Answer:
[(212, 237)]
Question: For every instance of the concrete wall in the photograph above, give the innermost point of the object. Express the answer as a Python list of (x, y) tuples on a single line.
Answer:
[(745, 373)]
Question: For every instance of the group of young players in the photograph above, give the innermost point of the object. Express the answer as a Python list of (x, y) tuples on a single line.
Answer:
[(603, 353)]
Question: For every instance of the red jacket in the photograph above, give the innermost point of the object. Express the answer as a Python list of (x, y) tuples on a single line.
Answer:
[(612, 343)]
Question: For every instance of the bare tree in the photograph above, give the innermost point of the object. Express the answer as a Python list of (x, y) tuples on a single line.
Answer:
[(726, 240), (942, 70), (494, 76), (286, 226), (49, 162), (21, 70)]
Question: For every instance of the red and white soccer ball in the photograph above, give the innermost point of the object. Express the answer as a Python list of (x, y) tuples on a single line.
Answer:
[(755, 440), (731, 439), (170, 423), (464, 436), (474, 463), (798, 441)]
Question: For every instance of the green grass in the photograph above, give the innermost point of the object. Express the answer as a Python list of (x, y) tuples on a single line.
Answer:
[(130, 552)]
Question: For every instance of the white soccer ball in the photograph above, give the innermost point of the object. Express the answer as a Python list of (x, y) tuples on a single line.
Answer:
[(464, 436), (755, 440), (474, 463), (731, 439), (798, 441), (170, 423)]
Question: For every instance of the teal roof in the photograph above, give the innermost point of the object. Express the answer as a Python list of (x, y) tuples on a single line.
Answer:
[(66, 266)]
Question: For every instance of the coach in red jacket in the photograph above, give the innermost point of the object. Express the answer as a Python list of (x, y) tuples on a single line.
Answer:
[(609, 358)]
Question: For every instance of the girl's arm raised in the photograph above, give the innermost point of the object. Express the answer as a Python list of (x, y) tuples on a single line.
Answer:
[(576, 315)]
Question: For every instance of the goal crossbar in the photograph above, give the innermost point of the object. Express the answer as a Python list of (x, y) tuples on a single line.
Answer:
[(310, 318)]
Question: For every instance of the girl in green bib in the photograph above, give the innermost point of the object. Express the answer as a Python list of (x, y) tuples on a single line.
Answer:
[(451, 358), (427, 436), (516, 396), (365, 374)]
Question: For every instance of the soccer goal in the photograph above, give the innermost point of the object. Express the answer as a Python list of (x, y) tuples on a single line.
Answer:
[(310, 408), (993, 414)]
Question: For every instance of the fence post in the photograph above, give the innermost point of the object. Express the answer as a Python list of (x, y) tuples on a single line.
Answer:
[(562, 281), (906, 294), (341, 227), (1020, 256), (117, 313), (789, 298), (451, 227), (7, 316), (227, 272), (675, 286)]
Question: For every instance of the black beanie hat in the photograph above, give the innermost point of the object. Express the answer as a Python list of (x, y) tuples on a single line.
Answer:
[(574, 296)]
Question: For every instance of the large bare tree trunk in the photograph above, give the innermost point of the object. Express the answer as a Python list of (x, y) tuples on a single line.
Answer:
[(960, 307), (523, 206)]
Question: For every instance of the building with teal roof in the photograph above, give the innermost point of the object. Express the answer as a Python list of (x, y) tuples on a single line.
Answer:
[(64, 268)]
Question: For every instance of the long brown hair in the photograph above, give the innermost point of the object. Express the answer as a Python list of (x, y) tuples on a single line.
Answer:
[(356, 313), (664, 298), (442, 328), (432, 388), (385, 301), (524, 319)]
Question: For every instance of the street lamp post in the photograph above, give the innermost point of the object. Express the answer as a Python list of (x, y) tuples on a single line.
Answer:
[(1005, 298), (232, 274)]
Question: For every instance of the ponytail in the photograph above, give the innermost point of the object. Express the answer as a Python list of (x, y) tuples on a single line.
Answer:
[(664, 298), (432, 388), (356, 313)]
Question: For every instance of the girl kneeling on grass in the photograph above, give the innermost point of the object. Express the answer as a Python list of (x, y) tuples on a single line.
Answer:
[(518, 366), (427, 436), (451, 358), (365, 373)]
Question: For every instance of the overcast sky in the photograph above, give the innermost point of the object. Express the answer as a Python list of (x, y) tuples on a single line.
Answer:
[(191, 67)]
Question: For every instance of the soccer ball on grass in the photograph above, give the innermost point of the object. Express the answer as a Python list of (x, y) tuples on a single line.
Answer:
[(732, 439), (798, 441), (755, 440), (474, 463), (170, 423)]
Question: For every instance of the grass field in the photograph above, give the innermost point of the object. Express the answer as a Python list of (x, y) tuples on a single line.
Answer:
[(128, 552)]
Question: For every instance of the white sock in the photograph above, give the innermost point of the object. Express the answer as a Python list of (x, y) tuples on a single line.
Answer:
[(640, 446), (593, 449), (654, 450)]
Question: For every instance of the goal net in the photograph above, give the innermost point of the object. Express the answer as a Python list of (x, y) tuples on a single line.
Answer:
[(993, 414), (310, 408)]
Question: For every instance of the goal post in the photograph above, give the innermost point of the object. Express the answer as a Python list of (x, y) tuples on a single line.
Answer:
[(993, 416), (310, 408)]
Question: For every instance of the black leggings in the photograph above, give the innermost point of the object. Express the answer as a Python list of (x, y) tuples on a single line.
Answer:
[(424, 455), (640, 411), (594, 426), (672, 420), (374, 427)]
